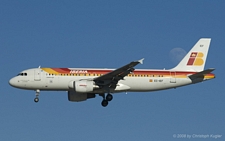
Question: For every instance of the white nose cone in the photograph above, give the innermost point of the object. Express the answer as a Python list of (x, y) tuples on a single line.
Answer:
[(12, 82)]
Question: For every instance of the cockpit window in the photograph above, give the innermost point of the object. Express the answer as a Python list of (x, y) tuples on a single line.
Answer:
[(22, 74)]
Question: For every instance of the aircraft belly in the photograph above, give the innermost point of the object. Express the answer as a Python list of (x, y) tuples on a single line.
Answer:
[(138, 84), (153, 84)]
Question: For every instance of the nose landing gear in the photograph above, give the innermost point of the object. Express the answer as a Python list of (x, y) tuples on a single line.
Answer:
[(36, 99)]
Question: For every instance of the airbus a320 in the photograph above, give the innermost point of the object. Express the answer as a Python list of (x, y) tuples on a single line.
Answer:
[(85, 83)]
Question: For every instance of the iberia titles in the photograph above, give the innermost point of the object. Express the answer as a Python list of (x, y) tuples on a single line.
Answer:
[(79, 71)]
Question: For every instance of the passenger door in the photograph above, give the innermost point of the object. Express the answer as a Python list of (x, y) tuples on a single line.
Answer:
[(37, 75), (172, 77)]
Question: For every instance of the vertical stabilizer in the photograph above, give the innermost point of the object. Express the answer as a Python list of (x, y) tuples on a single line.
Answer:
[(196, 57)]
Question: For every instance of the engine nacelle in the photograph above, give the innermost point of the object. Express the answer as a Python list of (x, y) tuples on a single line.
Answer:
[(82, 86), (76, 97)]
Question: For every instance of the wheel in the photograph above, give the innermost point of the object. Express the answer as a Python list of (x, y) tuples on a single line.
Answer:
[(36, 99), (104, 103), (109, 97)]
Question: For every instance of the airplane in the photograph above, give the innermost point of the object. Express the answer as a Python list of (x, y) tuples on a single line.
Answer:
[(85, 83)]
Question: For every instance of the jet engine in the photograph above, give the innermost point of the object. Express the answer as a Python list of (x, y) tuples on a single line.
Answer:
[(77, 97), (82, 86)]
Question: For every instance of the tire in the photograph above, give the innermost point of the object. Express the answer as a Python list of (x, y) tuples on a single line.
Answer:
[(36, 99), (109, 97), (104, 103)]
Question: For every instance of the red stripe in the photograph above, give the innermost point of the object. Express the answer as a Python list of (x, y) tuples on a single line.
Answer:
[(61, 70)]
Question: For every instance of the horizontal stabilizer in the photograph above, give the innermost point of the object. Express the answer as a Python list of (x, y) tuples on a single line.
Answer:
[(201, 74)]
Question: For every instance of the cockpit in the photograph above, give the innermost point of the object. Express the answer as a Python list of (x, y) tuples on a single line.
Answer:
[(22, 74)]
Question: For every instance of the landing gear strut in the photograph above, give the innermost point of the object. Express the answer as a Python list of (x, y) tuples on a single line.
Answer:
[(36, 99), (106, 99)]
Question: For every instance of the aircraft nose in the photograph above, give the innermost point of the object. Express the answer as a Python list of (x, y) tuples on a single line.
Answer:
[(12, 82)]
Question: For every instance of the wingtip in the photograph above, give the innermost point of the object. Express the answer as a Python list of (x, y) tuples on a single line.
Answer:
[(141, 60)]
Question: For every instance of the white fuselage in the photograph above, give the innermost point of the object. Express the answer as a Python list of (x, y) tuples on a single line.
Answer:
[(39, 79)]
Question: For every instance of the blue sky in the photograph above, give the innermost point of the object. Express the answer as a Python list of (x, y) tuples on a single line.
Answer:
[(110, 34)]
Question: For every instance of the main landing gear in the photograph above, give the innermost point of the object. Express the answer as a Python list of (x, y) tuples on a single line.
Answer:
[(106, 99), (36, 99)]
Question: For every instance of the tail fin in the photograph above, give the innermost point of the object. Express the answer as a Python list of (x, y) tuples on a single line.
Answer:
[(196, 57)]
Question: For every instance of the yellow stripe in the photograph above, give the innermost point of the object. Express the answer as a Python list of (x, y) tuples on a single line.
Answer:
[(209, 77), (49, 70)]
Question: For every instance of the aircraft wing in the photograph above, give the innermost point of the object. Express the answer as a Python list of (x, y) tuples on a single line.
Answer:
[(111, 79)]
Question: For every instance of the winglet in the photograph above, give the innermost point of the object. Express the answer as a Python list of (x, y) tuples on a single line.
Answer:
[(141, 60)]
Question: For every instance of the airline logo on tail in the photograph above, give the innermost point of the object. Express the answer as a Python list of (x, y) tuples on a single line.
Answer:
[(196, 59)]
